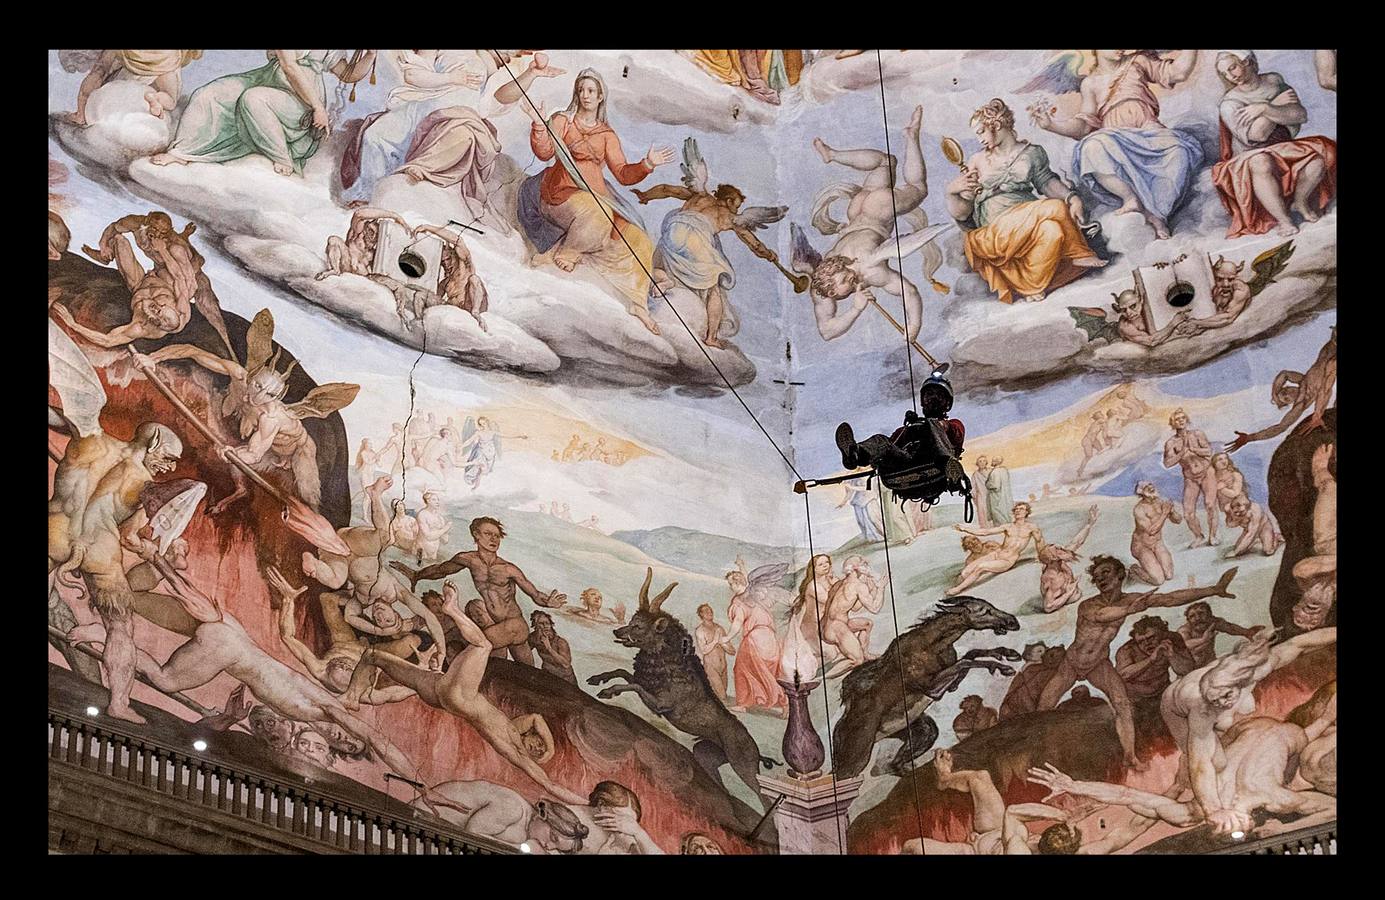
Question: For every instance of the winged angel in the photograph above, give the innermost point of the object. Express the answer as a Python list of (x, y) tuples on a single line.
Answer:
[(860, 258), (690, 252), (273, 430)]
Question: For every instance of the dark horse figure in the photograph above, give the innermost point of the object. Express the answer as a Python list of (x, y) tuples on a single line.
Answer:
[(873, 694), (671, 681)]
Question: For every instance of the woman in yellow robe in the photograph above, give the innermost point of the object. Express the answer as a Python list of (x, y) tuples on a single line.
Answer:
[(1025, 237)]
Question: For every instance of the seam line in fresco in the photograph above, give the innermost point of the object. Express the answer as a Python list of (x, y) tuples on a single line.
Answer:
[(559, 148), (903, 690), (408, 420)]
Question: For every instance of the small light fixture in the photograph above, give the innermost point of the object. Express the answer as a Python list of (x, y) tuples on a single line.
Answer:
[(1237, 835), (199, 745), (525, 848), (93, 711)]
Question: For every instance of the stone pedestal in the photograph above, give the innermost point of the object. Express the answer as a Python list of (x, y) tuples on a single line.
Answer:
[(812, 816)]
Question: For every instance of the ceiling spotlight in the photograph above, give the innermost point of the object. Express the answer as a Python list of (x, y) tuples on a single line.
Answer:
[(525, 848), (93, 711), (199, 745)]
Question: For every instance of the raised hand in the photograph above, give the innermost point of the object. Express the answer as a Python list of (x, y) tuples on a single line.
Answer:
[(1056, 781), (1241, 440), (411, 574), (542, 69), (281, 584), (658, 156)]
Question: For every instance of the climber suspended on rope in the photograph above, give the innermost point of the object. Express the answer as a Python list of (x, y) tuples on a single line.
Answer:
[(921, 460)]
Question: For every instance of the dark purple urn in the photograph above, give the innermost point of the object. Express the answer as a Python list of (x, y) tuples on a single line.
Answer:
[(803, 750)]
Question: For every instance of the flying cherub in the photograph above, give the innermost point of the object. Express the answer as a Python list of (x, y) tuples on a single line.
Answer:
[(272, 429), (860, 258), (690, 251)]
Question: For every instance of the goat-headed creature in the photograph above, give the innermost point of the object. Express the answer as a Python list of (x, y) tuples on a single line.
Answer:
[(671, 681), (877, 703)]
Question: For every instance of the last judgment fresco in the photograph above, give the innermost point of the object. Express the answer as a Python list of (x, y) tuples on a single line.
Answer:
[(427, 424)]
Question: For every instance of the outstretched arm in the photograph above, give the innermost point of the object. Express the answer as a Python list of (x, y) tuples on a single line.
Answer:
[(434, 572), (1081, 538), (116, 337), (288, 595), (1142, 803), (1295, 647), (664, 192), (980, 532), (1293, 415), (1231, 628), (209, 361), (552, 599), (1191, 595)]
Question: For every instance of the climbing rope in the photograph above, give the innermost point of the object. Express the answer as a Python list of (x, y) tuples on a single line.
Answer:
[(822, 663), (899, 657)]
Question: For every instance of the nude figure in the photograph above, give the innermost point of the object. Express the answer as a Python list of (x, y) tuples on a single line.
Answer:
[(1153, 562), (457, 690), (364, 615), (1230, 482), (1057, 584), (1258, 527), (356, 254), (333, 670), (434, 527), (1206, 703), (162, 70), (1325, 63), (162, 298), (1099, 620), (858, 589), (95, 515), (1189, 450), (1298, 392), (1017, 534), (495, 579), (1000, 830), (1093, 442), (223, 646), (976, 548), (1200, 629), (1128, 406), (860, 258), (1258, 760)]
